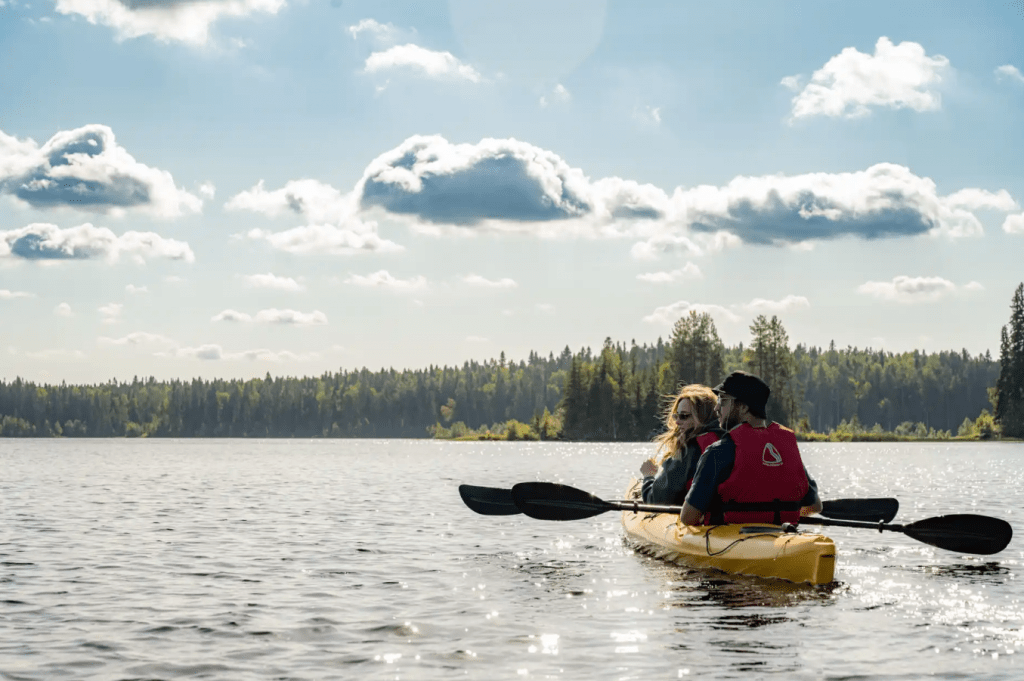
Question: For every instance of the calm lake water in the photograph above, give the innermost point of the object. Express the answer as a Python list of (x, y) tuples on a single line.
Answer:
[(238, 559)]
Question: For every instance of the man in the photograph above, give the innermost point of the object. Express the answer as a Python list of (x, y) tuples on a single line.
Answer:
[(754, 474)]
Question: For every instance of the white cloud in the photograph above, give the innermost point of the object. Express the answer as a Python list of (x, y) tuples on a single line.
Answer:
[(763, 306), (383, 279), (231, 316), (380, 33), (85, 169), (208, 190), (186, 21), (669, 314), (313, 200), (559, 94), (1010, 72), (325, 240), (272, 281), (275, 316), (906, 289), (852, 82), (793, 83), (138, 338), (688, 271), (482, 282), (1014, 224), (63, 310), (647, 115), (11, 295), (43, 241), (111, 312), (133, 289), (439, 65), (973, 286)]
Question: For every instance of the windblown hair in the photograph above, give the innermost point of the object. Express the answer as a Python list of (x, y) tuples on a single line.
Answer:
[(704, 401)]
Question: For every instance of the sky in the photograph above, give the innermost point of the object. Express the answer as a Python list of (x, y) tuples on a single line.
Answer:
[(227, 188)]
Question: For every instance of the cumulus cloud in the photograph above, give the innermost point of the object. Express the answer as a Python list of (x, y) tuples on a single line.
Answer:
[(904, 289), (482, 282), (42, 241), (883, 201), (669, 314), (424, 62), (1014, 224), (272, 281), (86, 169), (208, 190), (851, 83), (763, 306), (973, 286), (274, 316), (1009, 72), (688, 271), (63, 310), (383, 279), (133, 289), (185, 21), (5, 294)]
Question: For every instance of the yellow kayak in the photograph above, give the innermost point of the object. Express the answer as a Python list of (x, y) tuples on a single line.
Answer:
[(759, 550)]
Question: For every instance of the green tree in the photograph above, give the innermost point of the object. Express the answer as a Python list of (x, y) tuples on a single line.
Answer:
[(1010, 385), (695, 352), (770, 358)]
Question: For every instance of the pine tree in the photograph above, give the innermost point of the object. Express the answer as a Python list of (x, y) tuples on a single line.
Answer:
[(695, 351), (1010, 386), (769, 357)]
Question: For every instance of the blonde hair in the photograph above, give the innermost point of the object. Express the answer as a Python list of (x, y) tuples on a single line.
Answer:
[(703, 400)]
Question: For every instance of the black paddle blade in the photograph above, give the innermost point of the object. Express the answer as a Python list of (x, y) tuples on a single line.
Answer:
[(867, 510), (489, 500), (551, 501), (964, 533)]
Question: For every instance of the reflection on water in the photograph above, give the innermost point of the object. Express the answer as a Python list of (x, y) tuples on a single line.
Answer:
[(301, 560)]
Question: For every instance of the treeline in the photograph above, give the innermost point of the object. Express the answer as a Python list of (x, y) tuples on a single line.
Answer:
[(615, 394)]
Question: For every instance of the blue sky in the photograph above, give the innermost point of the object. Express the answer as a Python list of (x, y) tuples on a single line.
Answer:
[(222, 188)]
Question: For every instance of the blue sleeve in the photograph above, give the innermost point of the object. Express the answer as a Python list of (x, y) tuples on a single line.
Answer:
[(713, 468)]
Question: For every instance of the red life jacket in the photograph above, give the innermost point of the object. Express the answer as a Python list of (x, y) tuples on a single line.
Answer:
[(704, 441), (768, 478)]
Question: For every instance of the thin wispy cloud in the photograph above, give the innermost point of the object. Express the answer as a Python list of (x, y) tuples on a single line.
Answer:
[(1010, 73), (6, 294), (382, 279), (668, 314), (852, 83), (138, 338), (132, 289), (63, 310), (324, 240), (186, 21), (558, 95), (214, 352), (688, 271), (111, 312), (482, 282), (274, 316), (86, 169), (764, 306)]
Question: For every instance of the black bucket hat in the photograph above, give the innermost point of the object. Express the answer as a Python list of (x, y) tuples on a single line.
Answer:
[(746, 388)]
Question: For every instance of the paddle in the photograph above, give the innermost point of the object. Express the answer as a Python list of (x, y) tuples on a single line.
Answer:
[(965, 533), (499, 501)]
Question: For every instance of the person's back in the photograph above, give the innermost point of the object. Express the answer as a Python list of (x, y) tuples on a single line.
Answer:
[(755, 472)]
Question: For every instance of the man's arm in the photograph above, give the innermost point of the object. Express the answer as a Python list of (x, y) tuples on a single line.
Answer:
[(811, 503), (690, 514)]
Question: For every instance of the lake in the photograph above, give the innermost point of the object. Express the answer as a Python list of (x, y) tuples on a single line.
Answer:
[(356, 559)]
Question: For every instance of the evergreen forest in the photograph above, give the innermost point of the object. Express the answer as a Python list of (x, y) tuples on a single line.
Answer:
[(615, 393)]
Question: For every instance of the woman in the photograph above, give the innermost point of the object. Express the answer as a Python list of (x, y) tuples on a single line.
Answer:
[(691, 428)]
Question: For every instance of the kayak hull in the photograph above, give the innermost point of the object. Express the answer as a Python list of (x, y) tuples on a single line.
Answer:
[(758, 550)]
